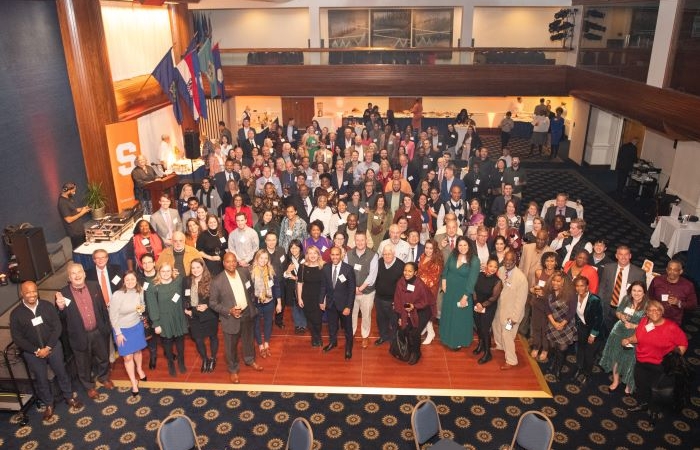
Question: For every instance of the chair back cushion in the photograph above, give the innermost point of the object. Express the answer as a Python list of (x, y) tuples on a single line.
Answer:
[(534, 432), (300, 437), (177, 435), (426, 422)]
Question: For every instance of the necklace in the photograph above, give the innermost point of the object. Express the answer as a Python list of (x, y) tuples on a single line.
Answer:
[(212, 234)]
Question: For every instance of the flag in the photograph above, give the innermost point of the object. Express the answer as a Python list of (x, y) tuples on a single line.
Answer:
[(186, 83), (167, 77), (207, 64), (198, 97), (216, 58)]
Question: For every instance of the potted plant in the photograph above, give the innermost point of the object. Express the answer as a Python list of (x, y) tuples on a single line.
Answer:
[(96, 199)]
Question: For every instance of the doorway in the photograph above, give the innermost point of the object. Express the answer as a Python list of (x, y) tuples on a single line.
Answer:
[(299, 108)]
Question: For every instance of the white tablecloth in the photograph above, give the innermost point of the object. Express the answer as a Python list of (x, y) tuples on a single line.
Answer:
[(461, 132), (673, 234)]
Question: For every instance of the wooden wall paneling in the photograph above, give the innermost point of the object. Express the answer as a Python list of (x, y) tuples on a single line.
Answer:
[(302, 109), (138, 96), (90, 79), (398, 104)]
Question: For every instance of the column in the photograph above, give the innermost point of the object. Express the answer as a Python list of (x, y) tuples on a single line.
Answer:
[(602, 138), (664, 36)]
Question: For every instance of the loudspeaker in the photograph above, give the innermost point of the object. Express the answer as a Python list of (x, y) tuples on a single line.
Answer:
[(192, 145), (29, 246)]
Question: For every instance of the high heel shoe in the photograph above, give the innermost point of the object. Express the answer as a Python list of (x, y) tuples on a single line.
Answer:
[(205, 366), (135, 393), (145, 378), (612, 389), (212, 364), (431, 333)]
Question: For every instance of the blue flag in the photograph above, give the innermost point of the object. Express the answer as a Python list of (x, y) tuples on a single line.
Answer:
[(167, 76), (216, 57), (206, 63)]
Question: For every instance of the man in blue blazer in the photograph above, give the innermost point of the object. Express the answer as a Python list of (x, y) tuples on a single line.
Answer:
[(449, 181), (337, 299)]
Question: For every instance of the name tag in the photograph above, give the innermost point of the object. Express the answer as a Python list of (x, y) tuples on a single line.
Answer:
[(410, 288), (453, 136), (242, 239), (664, 297), (439, 143), (425, 166), (374, 140), (649, 327), (629, 311), (408, 217), (541, 283), (302, 261), (68, 301), (174, 220), (358, 266), (176, 297), (345, 183), (362, 211), (341, 278), (37, 321), (275, 203), (247, 284), (328, 146), (288, 232), (145, 285), (410, 178), (187, 293), (475, 189), (211, 195), (145, 241), (516, 180), (568, 219), (477, 182), (330, 189), (116, 279), (323, 249), (263, 232), (282, 258), (222, 240), (376, 217)]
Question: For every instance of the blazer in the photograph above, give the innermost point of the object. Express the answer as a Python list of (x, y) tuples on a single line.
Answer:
[(445, 192), (346, 186), (221, 300), (593, 314), (113, 271), (606, 282), (420, 248), (242, 135), (298, 203), (343, 294), (569, 213), (220, 181), (74, 328), (158, 223)]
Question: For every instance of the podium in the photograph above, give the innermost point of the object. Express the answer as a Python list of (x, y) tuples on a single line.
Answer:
[(160, 185)]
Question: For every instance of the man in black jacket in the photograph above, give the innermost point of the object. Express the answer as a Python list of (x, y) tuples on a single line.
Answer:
[(626, 157)]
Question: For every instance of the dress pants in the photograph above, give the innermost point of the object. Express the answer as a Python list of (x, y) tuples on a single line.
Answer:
[(245, 335), (364, 303), (585, 352), (279, 317), (334, 317), (505, 340), (96, 356), (483, 322), (39, 367), (386, 318), (646, 375)]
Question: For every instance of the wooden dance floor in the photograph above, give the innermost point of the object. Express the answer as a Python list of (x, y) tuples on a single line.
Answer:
[(295, 366)]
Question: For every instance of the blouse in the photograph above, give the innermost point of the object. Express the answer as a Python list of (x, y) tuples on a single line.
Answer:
[(653, 344)]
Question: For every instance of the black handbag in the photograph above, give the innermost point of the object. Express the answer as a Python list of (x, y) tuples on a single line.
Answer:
[(399, 346)]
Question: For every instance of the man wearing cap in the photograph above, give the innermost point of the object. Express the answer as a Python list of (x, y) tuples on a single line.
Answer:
[(71, 214)]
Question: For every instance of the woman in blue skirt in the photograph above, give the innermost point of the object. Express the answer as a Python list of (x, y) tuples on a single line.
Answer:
[(125, 313)]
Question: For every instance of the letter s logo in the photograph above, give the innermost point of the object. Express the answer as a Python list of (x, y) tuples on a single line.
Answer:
[(126, 155)]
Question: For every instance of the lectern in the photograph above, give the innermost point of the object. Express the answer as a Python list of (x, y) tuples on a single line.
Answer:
[(166, 184)]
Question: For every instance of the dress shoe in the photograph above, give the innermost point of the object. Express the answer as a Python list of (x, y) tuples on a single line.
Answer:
[(92, 393), (108, 384), (379, 341), (257, 367), (316, 344), (329, 347), (583, 380), (212, 364), (280, 325), (171, 369), (205, 365), (507, 366), (348, 355), (639, 407), (48, 412), (152, 362), (365, 342), (74, 403), (234, 378), (145, 378), (484, 359)]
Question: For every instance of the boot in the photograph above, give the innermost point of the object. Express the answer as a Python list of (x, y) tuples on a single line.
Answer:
[(152, 360), (486, 357), (479, 348)]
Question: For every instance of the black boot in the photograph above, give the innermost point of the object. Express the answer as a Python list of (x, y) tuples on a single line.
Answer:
[(479, 348), (557, 364), (486, 357)]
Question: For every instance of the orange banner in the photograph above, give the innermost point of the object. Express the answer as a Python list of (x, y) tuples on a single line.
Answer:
[(123, 142)]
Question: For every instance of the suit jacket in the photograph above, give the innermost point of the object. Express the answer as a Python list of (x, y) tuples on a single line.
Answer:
[(420, 248), (299, 204), (113, 271), (221, 300), (342, 295), (412, 176), (295, 136), (530, 260), (445, 192), (606, 282), (158, 223), (593, 314), (289, 179), (345, 187), (220, 181), (499, 205), (74, 328), (552, 211), (242, 135)]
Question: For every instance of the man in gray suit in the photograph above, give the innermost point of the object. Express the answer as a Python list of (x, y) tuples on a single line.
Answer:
[(166, 220), (621, 274), (230, 297)]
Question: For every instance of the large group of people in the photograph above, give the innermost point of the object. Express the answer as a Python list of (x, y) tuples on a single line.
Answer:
[(311, 222)]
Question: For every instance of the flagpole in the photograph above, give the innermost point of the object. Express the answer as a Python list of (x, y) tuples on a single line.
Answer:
[(151, 74)]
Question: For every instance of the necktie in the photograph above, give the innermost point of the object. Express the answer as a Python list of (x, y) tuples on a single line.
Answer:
[(413, 255), (335, 275), (452, 243), (166, 217), (103, 285), (440, 175), (560, 212), (616, 290)]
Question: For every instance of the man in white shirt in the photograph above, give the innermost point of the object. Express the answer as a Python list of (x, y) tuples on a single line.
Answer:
[(401, 247), (243, 241), (363, 167), (568, 243)]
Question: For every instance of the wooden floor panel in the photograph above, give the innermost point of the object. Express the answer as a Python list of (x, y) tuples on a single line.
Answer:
[(296, 366)]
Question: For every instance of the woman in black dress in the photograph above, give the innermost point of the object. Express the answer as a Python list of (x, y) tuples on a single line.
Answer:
[(294, 258), (204, 322), (486, 292), (212, 245), (308, 291)]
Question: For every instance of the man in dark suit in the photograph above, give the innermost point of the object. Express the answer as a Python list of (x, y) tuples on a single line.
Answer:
[(288, 179), (626, 157), (415, 247), (337, 298), (230, 296), (223, 131), (614, 281), (108, 276), (303, 203), (243, 131), (341, 181), (449, 181), (84, 312), (499, 203), (249, 143), (560, 208), (221, 178), (409, 172)]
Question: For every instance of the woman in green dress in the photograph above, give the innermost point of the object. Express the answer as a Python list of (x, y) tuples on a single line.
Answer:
[(458, 280), (616, 358), (167, 312), (310, 140)]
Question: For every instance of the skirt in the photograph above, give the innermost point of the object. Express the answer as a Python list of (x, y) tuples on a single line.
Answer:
[(135, 340)]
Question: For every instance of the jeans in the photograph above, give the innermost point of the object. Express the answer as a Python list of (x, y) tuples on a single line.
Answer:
[(266, 312)]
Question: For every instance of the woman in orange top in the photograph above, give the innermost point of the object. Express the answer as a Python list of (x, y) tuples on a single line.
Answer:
[(430, 267)]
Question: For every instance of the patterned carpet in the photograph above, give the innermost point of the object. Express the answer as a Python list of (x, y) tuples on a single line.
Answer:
[(586, 418)]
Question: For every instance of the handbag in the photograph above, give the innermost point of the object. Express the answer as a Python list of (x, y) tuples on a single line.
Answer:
[(399, 346)]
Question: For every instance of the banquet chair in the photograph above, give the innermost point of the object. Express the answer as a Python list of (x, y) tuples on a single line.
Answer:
[(176, 432), (301, 436), (534, 432), (570, 203), (425, 424)]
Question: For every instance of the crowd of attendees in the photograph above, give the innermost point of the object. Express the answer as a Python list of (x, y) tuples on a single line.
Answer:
[(311, 220)]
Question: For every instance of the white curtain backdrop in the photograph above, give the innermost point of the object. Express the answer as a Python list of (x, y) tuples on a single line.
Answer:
[(153, 126), (137, 37)]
